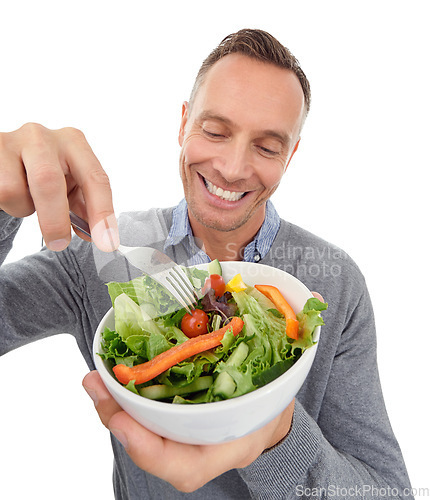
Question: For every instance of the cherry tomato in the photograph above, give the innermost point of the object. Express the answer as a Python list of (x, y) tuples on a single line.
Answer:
[(216, 282), (195, 324)]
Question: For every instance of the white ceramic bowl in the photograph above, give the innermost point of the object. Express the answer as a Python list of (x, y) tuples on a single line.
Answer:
[(221, 421)]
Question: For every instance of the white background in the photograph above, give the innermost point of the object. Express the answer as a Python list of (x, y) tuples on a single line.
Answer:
[(119, 71)]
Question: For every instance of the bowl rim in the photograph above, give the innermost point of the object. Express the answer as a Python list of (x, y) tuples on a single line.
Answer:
[(214, 406)]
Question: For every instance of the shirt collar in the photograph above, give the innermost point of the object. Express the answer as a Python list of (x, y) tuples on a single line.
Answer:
[(256, 250)]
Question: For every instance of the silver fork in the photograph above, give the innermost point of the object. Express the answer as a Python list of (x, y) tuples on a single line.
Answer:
[(154, 263)]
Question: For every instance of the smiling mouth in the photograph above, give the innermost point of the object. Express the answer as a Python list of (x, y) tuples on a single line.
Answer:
[(222, 193)]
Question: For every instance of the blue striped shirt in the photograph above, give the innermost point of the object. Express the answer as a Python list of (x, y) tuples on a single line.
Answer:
[(181, 232)]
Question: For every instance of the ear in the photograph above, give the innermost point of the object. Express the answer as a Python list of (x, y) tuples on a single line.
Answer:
[(183, 123), (292, 154)]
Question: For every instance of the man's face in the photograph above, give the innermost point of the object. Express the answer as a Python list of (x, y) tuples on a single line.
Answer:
[(237, 141)]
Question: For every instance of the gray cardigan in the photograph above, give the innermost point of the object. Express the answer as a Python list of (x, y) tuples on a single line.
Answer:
[(341, 444)]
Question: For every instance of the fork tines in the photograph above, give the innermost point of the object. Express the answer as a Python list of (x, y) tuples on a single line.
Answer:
[(182, 285), (178, 284)]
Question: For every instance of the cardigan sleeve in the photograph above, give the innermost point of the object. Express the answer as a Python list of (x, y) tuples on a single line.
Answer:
[(8, 228), (49, 293)]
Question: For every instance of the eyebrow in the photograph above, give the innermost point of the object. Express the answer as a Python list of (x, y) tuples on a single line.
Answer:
[(208, 115)]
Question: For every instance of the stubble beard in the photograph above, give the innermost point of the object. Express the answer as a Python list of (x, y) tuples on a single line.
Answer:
[(217, 224)]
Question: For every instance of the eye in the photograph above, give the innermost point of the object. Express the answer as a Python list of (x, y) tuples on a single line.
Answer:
[(267, 151), (212, 134)]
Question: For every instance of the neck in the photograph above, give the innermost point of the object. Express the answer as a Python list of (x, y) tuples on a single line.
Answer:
[(226, 245)]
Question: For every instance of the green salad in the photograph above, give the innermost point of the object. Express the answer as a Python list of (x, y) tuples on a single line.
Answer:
[(235, 341)]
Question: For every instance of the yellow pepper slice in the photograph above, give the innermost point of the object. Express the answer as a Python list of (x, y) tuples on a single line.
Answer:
[(236, 284)]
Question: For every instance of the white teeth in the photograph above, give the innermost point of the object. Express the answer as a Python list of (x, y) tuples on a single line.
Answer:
[(224, 195)]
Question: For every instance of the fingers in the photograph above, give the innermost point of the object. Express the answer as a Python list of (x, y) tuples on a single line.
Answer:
[(47, 185), (94, 184), (318, 296), (36, 181), (105, 404), (15, 198), (41, 168)]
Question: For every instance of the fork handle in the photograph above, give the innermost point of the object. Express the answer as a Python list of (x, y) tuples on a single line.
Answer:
[(79, 223)]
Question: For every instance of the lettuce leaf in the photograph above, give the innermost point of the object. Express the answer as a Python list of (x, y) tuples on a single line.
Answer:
[(309, 318), (274, 371), (153, 299), (114, 349)]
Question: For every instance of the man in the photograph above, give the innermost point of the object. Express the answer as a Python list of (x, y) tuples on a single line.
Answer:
[(237, 135)]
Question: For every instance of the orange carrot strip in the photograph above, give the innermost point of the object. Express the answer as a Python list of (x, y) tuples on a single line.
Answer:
[(272, 293), (292, 328), (162, 362)]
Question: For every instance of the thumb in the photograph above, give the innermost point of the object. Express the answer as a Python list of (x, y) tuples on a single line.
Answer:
[(318, 296)]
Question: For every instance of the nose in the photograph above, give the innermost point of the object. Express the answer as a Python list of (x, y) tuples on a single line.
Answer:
[(235, 162)]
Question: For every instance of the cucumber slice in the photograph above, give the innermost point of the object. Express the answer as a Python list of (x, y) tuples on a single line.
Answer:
[(224, 386), (238, 356), (214, 267)]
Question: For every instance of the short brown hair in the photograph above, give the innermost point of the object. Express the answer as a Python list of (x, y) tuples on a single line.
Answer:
[(256, 44)]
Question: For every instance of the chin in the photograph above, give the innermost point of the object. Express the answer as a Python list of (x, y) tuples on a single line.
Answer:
[(223, 223)]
